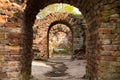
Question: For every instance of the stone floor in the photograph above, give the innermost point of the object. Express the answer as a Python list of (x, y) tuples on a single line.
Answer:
[(58, 69)]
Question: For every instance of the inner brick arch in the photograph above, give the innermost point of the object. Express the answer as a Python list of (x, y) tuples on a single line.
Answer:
[(96, 18), (52, 25)]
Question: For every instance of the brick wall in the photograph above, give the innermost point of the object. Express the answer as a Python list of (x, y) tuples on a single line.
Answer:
[(44, 25), (102, 40)]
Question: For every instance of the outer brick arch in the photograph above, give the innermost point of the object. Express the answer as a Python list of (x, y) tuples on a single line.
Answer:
[(96, 17), (52, 19), (102, 17)]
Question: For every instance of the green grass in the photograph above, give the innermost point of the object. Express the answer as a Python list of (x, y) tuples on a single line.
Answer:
[(60, 51)]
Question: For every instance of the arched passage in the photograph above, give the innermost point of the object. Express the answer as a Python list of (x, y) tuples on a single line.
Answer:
[(90, 10), (45, 24), (62, 30), (102, 17)]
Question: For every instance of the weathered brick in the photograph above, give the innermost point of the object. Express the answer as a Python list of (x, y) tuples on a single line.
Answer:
[(3, 64), (13, 30), (2, 20), (13, 35), (110, 47), (14, 52), (105, 30), (12, 48), (106, 53), (3, 75), (105, 41), (116, 42), (115, 53), (104, 63), (118, 59), (108, 58), (2, 52), (13, 42), (2, 35), (115, 64), (116, 30), (13, 63), (103, 69), (13, 58), (115, 76), (109, 36), (1, 57), (10, 25), (13, 74), (11, 69)]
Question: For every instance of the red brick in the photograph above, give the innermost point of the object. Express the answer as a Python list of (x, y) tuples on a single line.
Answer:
[(108, 58), (3, 52), (11, 25), (3, 75), (106, 53), (14, 42), (13, 75), (14, 52), (13, 35), (2, 20), (14, 63), (110, 47), (2, 35), (105, 30), (12, 58), (116, 42)]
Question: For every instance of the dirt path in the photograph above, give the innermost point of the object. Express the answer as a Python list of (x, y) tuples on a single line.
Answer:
[(58, 69)]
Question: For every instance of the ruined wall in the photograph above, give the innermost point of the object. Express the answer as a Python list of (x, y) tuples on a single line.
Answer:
[(10, 31), (102, 41), (58, 18)]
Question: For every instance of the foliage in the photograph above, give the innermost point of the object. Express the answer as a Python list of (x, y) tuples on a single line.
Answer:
[(58, 8), (61, 51)]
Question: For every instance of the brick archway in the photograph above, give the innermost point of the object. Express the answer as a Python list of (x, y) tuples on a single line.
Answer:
[(45, 24), (66, 25), (55, 30), (102, 41)]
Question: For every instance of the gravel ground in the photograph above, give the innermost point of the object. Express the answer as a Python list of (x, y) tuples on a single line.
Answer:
[(58, 69)]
